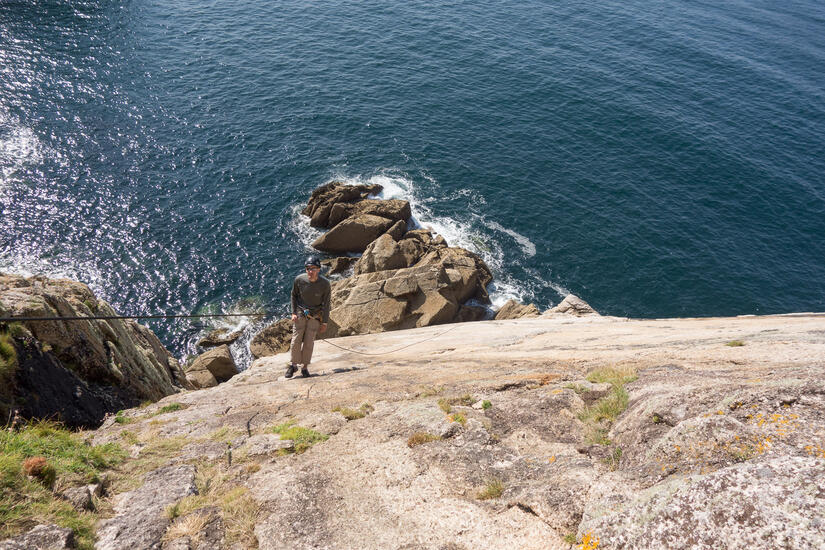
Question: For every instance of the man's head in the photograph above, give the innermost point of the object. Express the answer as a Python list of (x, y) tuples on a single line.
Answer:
[(313, 267)]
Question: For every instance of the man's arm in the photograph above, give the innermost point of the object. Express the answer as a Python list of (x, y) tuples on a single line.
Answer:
[(325, 305)]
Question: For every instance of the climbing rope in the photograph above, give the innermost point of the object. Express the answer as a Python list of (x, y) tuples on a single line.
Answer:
[(108, 317), (394, 350)]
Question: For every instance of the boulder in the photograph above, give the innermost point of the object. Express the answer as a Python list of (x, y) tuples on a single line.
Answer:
[(394, 209), (468, 273), (140, 519), (339, 264), (572, 305), (41, 537), (79, 497), (218, 362), (219, 337), (470, 313), (514, 310), (272, 340), (382, 254), (325, 197), (201, 378), (353, 234)]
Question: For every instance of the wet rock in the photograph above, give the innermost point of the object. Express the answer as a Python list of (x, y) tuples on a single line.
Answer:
[(139, 520), (272, 340), (41, 537), (338, 265), (353, 234), (514, 310), (218, 362), (219, 337), (325, 197)]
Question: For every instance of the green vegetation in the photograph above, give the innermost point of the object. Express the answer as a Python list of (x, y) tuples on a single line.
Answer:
[(120, 419), (570, 538), (302, 438), (599, 416), (420, 438), (429, 391), (57, 459), (354, 414), (458, 417), (493, 489), (171, 407), (129, 437), (735, 343), (486, 404), (578, 388), (613, 460)]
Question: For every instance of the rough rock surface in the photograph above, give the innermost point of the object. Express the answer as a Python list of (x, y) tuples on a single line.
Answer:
[(116, 356), (353, 234), (41, 537), (272, 340), (393, 209), (382, 254), (514, 310), (717, 443), (324, 198), (140, 519)]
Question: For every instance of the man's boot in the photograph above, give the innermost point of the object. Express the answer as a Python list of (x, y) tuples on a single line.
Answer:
[(305, 371), (290, 370)]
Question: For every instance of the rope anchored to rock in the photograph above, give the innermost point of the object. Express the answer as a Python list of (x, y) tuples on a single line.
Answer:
[(394, 350)]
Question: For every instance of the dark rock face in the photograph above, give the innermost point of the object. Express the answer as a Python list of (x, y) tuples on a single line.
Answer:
[(393, 209), (46, 389), (219, 337), (515, 310)]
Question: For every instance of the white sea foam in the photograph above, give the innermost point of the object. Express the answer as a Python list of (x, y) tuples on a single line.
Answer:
[(19, 146), (526, 244)]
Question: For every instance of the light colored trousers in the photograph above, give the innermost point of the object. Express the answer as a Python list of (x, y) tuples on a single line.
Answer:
[(304, 331)]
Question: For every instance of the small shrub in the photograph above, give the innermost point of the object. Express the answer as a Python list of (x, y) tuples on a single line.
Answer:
[(446, 403), (458, 417), (121, 419), (735, 343), (570, 538), (39, 467), (613, 460), (420, 438), (493, 489), (486, 404), (656, 419)]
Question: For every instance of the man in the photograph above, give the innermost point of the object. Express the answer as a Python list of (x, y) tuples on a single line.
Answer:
[(310, 314)]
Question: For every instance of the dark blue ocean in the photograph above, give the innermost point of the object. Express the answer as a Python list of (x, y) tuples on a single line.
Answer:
[(656, 158)]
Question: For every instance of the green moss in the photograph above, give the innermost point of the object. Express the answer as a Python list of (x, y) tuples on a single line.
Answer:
[(735, 343), (171, 407), (120, 419), (302, 438), (486, 404)]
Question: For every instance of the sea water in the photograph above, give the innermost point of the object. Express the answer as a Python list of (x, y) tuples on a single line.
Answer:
[(656, 158)]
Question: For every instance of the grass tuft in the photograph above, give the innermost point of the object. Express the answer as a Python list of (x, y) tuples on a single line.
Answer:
[(618, 376), (458, 417), (493, 489), (302, 438), (171, 407), (486, 404), (735, 343), (599, 416), (355, 414)]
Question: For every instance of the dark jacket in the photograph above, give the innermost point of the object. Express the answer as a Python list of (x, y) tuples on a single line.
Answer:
[(311, 296)]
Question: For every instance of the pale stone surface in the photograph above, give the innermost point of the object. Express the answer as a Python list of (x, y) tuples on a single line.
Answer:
[(79, 497), (264, 444), (140, 519), (572, 305), (41, 537), (682, 472)]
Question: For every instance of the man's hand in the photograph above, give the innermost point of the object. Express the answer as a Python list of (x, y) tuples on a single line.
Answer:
[(323, 327), (294, 317)]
